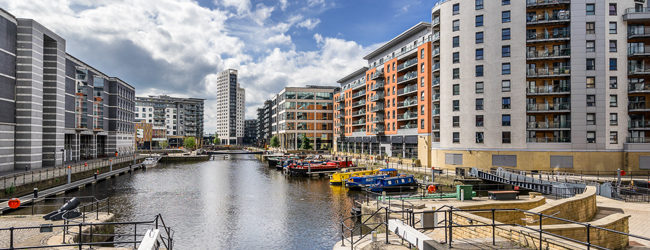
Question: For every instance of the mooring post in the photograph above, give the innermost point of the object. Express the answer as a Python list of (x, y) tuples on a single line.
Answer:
[(69, 174)]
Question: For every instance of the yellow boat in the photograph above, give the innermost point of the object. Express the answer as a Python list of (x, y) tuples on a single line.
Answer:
[(338, 179)]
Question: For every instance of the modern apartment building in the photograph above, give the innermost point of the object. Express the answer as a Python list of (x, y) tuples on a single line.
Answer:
[(231, 101), (384, 108), (540, 84), (264, 124), (146, 137), (250, 131), (180, 117), (54, 107), (304, 111)]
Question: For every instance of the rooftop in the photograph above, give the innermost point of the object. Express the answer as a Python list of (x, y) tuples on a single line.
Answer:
[(410, 32)]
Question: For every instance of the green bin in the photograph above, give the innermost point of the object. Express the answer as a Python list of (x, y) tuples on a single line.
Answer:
[(466, 189)]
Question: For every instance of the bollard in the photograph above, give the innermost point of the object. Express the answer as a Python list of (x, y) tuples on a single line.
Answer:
[(69, 174), (96, 174), (35, 192), (111, 167)]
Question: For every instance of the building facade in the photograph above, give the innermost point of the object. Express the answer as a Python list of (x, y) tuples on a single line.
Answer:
[(264, 124), (179, 117), (231, 108), (384, 109), (250, 131), (146, 137)]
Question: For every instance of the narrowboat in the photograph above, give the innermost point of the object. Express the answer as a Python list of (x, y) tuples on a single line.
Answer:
[(304, 169), (338, 179), (273, 161), (398, 183), (359, 182)]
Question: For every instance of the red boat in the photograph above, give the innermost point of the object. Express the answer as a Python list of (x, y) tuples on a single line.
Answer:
[(303, 169)]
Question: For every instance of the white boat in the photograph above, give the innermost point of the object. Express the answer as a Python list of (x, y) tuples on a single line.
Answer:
[(150, 162)]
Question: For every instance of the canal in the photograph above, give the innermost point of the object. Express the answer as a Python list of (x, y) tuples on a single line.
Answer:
[(238, 203)]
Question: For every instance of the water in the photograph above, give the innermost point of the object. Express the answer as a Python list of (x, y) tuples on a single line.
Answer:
[(230, 204)]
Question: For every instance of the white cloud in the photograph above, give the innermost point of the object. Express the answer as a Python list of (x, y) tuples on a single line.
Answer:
[(313, 3), (283, 5), (262, 13), (309, 23), (242, 6)]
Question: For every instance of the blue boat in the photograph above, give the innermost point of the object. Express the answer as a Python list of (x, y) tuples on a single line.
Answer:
[(393, 184), (359, 182)]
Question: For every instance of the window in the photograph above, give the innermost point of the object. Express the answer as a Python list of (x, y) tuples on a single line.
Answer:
[(422, 81), (456, 121), (455, 25), (505, 102), (591, 9), (505, 69), (422, 68), (505, 86), (612, 28), (479, 120), (421, 109), (479, 87), (456, 89), (613, 119), (456, 105), (591, 136), (591, 100), (422, 54), (479, 70), (612, 46), (456, 57), (456, 41), (591, 28), (613, 82), (479, 54), (479, 4), (456, 9), (591, 119), (479, 37), (613, 100), (591, 82), (591, 64), (505, 17), (612, 64), (456, 137), (479, 137), (422, 124), (505, 51), (505, 120), (456, 73), (505, 2), (479, 104), (591, 46), (479, 20), (612, 9), (505, 34), (422, 96), (613, 137), (505, 137)]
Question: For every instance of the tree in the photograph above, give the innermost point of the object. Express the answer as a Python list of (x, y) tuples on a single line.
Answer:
[(189, 142), (305, 143), (216, 141), (275, 141), (163, 144)]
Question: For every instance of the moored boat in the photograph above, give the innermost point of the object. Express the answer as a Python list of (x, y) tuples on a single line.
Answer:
[(359, 182), (340, 178), (305, 169), (273, 161), (150, 162), (398, 183)]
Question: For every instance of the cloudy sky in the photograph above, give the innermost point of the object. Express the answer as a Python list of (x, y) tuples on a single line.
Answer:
[(177, 47)]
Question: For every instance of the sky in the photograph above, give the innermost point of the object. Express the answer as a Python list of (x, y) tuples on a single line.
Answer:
[(177, 47)]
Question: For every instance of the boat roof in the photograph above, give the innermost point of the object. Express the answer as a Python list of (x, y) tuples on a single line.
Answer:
[(388, 169), (398, 177)]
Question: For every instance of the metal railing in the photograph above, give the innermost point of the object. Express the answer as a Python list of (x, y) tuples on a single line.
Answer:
[(531, 3), (407, 64), (407, 90), (548, 139), (376, 97), (638, 69), (550, 89), (637, 10), (407, 116), (560, 34), (638, 105), (548, 106), (564, 15), (407, 77), (377, 108), (548, 54), (637, 140), (377, 85), (638, 87), (435, 82), (547, 125), (407, 103), (557, 71)]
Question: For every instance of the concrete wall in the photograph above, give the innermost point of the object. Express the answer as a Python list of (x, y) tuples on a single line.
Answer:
[(580, 208)]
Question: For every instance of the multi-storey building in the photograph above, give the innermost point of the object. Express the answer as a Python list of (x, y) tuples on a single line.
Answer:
[(264, 124), (53, 107), (383, 109), (231, 101), (540, 84), (304, 111), (146, 137), (250, 131), (180, 117)]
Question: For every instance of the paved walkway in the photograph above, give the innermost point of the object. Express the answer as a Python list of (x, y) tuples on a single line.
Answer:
[(639, 222)]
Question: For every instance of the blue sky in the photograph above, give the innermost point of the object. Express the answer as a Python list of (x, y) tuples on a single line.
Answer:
[(177, 47)]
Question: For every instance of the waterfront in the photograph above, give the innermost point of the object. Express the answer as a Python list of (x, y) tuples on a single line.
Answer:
[(229, 204)]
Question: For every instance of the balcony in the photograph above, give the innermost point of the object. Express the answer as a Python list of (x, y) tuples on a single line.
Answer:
[(638, 124), (555, 36), (548, 140), (638, 88), (435, 21), (637, 15), (549, 90), (548, 107), (359, 122), (339, 116), (361, 130), (638, 106), (638, 70), (407, 90), (561, 17), (377, 97), (435, 82), (358, 85), (549, 72), (407, 52), (407, 65), (377, 119), (407, 103), (435, 112), (359, 113), (435, 68), (339, 108), (548, 55), (379, 85), (361, 93), (378, 131), (358, 104), (407, 116), (436, 126), (408, 126), (545, 3), (378, 74), (408, 77), (436, 37), (548, 125), (435, 97), (339, 99), (159, 124), (435, 52), (377, 108), (637, 140)]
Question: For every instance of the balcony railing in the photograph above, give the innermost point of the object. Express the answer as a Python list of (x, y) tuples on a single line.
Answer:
[(359, 122), (638, 32), (339, 99), (435, 97), (407, 116), (435, 67), (379, 73), (358, 113), (435, 52), (408, 126), (435, 82), (413, 75), (534, 3), (378, 85), (407, 103), (359, 103), (640, 87), (548, 107), (436, 37), (563, 15), (548, 89), (436, 126), (378, 131), (637, 140), (435, 21), (637, 10), (436, 139), (548, 139), (358, 94), (407, 90), (359, 130), (639, 50), (554, 35), (377, 119), (339, 108), (638, 124), (407, 64), (376, 97), (557, 71), (638, 69), (377, 108), (548, 125), (435, 112), (548, 54), (638, 106)]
